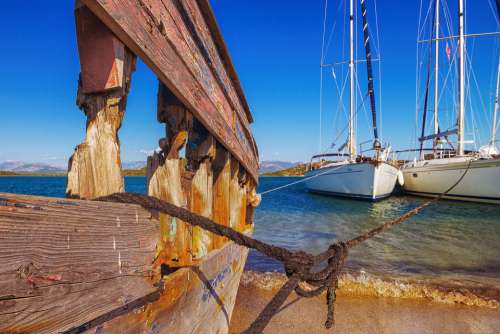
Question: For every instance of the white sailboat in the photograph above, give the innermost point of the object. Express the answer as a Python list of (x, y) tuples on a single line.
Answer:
[(355, 175), (434, 173)]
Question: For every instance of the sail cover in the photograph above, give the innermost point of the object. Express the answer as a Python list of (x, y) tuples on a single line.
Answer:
[(369, 70)]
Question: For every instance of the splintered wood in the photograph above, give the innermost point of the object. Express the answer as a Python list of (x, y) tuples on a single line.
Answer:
[(201, 182), (95, 167)]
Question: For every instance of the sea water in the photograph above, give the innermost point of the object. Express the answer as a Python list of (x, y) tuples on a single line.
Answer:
[(449, 246)]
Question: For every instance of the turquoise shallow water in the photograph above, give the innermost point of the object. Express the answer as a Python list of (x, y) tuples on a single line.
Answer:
[(450, 243)]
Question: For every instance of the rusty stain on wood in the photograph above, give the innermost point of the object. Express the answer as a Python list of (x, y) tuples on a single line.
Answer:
[(222, 178)]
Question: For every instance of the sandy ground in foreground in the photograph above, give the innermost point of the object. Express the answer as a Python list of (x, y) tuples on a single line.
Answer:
[(363, 315)]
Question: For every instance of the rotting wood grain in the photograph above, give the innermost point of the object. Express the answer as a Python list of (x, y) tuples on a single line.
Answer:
[(65, 262)]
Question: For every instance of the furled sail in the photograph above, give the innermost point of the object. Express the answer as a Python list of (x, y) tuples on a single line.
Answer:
[(369, 69)]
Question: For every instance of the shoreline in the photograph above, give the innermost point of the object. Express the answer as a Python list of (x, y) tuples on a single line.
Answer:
[(364, 310), (365, 285)]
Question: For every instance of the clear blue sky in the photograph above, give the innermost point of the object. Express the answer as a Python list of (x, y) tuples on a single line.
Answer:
[(275, 46)]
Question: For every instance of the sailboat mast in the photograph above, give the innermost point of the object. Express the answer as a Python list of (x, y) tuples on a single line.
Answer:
[(369, 72), (436, 68), (461, 78), (495, 110), (352, 140)]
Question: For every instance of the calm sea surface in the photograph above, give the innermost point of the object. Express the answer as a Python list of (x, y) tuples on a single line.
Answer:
[(449, 243)]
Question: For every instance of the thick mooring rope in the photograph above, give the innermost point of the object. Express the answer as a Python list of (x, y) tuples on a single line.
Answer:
[(299, 265)]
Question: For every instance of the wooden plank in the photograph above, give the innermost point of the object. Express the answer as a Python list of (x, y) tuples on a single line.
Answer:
[(191, 24), (222, 179), (200, 151), (237, 195), (65, 262), (215, 31), (145, 33), (179, 28), (165, 182)]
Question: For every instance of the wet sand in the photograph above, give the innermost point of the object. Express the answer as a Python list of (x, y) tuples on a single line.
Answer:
[(358, 314)]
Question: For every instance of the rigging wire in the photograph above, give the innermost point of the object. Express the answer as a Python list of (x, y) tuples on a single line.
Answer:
[(330, 36), (379, 56), (472, 76), (426, 98), (321, 77)]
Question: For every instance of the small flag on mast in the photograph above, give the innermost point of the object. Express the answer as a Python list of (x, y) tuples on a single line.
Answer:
[(448, 52)]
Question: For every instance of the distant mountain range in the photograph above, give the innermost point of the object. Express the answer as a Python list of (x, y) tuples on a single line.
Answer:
[(30, 167), (44, 168), (133, 164), (270, 166)]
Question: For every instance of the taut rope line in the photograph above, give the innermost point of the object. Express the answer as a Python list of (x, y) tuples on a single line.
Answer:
[(299, 181), (298, 264)]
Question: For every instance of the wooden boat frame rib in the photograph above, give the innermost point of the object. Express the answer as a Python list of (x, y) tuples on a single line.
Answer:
[(115, 268), (181, 43)]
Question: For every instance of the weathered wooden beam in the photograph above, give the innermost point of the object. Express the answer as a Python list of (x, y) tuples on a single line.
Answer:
[(192, 28), (65, 262), (95, 168), (102, 55), (165, 39), (220, 44)]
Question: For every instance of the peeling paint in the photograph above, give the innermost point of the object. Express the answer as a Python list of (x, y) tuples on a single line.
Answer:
[(217, 281)]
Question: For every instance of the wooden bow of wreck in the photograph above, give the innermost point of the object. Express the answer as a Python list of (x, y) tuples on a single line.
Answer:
[(74, 265)]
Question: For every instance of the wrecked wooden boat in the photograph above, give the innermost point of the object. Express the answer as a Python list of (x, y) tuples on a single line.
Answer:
[(75, 265)]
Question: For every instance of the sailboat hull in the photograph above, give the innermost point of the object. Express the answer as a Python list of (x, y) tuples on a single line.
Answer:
[(430, 178), (365, 180)]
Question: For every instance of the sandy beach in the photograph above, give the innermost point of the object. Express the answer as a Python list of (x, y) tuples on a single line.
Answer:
[(355, 313)]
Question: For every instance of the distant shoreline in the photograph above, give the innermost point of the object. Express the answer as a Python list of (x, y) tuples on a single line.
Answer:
[(298, 170), (270, 175), (27, 174), (126, 172)]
